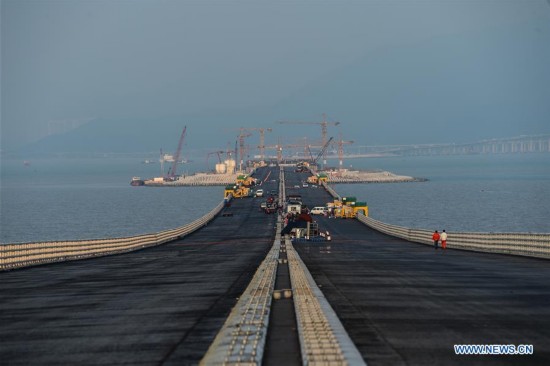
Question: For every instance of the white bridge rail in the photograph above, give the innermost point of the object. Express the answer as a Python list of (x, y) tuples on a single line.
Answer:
[(30, 254), (525, 244)]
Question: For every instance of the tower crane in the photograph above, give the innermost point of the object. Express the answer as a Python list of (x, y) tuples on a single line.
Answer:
[(262, 131), (341, 144), (323, 124), (242, 148), (279, 148)]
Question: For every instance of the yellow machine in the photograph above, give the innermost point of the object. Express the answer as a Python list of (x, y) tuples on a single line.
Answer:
[(348, 208), (317, 178), (246, 180), (237, 190)]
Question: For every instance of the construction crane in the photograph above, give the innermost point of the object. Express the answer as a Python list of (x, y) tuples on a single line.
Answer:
[(173, 169), (242, 148), (262, 131), (322, 152), (212, 153), (341, 144), (279, 148), (323, 124), (310, 154)]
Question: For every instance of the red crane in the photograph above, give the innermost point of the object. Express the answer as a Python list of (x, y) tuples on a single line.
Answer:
[(172, 172)]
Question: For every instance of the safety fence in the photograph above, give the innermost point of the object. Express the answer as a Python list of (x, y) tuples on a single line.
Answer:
[(525, 244), (330, 190), (29, 254)]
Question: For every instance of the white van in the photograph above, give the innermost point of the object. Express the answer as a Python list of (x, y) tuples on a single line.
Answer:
[(319, 210)]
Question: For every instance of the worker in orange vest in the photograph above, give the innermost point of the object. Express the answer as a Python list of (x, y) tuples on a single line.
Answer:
[(435, 238)]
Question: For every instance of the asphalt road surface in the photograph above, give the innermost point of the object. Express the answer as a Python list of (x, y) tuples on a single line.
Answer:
[(161, 305), (402, 303), (406, 304)]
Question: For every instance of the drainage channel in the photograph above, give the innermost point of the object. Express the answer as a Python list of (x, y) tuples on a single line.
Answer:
[(282, 317), (282, 343)]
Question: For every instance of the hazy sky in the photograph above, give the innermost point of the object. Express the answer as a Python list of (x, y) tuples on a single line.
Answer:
[(122, 59)]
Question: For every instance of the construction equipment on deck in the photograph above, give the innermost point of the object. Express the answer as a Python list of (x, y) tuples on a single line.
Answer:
[(317, 178), (237, 191), (309, 232), (347, 208)]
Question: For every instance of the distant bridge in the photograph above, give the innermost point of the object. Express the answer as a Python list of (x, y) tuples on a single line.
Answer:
[(520, 144)]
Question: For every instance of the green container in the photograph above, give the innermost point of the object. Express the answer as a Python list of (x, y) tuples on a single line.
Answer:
[(349, 200)]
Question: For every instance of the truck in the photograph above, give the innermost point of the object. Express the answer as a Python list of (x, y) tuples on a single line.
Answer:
[(294, 207)]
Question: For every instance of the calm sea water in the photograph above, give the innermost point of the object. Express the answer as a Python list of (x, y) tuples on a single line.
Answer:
[(66, 199), (483, 193)]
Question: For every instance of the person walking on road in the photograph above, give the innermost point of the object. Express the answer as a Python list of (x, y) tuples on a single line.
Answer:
[(435, 238), (443, 237)]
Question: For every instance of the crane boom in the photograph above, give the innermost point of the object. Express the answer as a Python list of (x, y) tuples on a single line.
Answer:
[(323, 125), (323, 149), (178, 154)]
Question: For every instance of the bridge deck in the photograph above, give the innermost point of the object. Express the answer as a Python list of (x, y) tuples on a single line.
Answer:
[(158, 305), (401, 303), (405, 303)]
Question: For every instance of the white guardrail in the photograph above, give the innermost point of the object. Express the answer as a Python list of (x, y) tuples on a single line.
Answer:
[(30, 254), (524, 244)]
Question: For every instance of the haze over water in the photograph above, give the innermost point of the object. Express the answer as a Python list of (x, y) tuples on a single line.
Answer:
[(66, 199), (474, 193)]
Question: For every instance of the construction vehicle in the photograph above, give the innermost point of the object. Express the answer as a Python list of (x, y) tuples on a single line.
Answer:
[(317, 178), (237, 191), (348, 208), (241, 188), (246, 180), (309, 231)]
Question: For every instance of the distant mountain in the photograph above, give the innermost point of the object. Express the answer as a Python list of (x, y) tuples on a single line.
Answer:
[(128, 135), (459, 89)]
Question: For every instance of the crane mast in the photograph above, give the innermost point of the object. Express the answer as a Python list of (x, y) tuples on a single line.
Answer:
[(323, 125), (341, 144)]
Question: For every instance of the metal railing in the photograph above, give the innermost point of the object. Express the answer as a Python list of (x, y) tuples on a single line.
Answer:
[(525, 244), (331, 190), (30, 254)]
